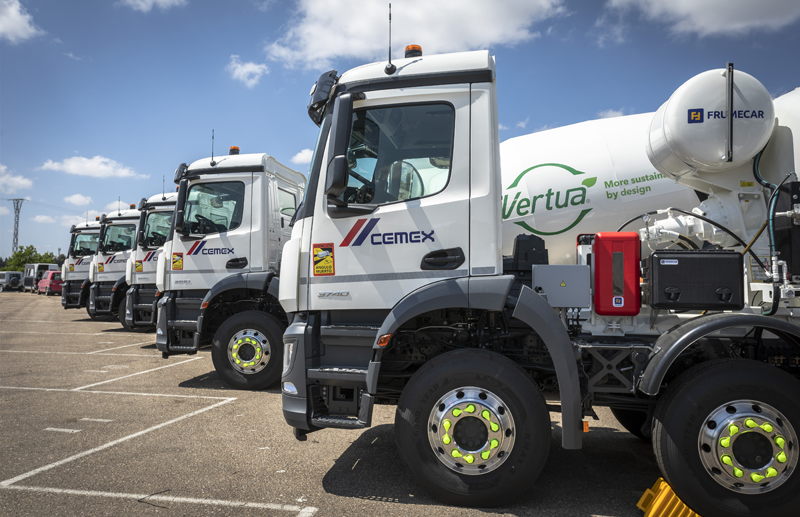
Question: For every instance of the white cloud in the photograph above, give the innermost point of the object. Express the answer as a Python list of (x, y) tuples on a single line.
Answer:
[(10, 184), (69, 220), (78, 199), (4, 211), (543, 128), (303, 157), (610, 113), (73, 56), (263, 5), (715, 17), (610, 29), (522, 123), (324, 31), (146, 5), (16, 25), (97, 167), (43, 219), (116, 205), (249, 73), (502, 127)]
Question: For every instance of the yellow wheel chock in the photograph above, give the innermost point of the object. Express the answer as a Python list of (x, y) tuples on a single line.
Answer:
[(661, 501)]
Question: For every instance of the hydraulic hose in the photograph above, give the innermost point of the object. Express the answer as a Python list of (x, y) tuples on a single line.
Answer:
[(773, 200)]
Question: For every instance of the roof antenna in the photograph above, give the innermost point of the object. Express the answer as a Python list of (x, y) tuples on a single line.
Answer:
[(119, 206), (390, 68), (213, 163), (163, 192)]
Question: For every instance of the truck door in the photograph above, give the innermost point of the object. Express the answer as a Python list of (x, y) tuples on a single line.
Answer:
[(216, 242), (408, 172)]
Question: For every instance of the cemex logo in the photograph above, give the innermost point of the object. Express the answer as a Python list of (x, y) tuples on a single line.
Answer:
[(81, 261), (150, 256), (113, 259), (198, 248), (360, 231)]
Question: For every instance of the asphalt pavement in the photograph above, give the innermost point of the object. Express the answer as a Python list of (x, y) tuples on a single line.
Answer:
[(94, 422)]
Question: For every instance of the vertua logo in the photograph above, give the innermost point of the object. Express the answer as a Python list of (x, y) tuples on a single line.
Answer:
[(363, 229), (517, 205)]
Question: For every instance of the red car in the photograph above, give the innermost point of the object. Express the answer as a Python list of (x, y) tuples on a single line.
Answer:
[(50, 283)]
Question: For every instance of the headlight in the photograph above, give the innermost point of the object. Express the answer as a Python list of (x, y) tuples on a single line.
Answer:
[(288, 353)]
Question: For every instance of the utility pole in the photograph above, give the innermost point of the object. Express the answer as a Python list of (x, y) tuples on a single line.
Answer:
[(17, 207)]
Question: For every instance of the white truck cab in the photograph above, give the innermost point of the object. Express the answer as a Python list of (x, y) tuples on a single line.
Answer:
[(107, 272), (219, 268), (397, 290), (155, 220), (83, 242)]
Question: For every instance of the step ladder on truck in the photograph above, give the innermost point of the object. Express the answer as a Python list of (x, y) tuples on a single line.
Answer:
[(398, 293), (219, 270), (155, 219)]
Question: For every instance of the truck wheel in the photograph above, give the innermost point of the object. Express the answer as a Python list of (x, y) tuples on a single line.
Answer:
[(121, 315), (93, 316), (473, 428), (633, 421), (248, 350), (725, 438)]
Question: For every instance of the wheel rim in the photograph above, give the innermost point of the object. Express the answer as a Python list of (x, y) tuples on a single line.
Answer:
[(748, 447), (249, 351), (471, 430)]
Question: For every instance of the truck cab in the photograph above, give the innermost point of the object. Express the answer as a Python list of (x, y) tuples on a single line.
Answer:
[(83, 242), (107, 272), (398, 293), (219, 268), (155, 220)]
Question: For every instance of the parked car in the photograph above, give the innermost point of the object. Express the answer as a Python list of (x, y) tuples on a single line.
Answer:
[(34, 273), (50, 283), (11, 280)]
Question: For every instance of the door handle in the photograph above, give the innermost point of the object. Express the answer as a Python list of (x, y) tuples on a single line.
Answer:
[(237, 263), (450, 258)]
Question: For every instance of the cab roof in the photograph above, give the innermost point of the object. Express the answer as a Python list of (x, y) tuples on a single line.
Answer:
[(477, 63), (168, 197), (86, 227), (252, 162)]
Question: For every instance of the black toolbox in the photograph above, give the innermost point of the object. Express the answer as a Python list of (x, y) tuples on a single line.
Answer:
[(700, 280)]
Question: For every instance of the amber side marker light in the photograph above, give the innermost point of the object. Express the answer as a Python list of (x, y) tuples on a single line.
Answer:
[(384, 339), (204, 306)]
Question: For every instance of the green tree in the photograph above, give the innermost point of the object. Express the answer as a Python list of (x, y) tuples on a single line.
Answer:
[(27, 255)]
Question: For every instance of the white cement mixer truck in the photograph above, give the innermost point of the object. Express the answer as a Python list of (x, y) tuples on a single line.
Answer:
[(75, 271), (397, 290)]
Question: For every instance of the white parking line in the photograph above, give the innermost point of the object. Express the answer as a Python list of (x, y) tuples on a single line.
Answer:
[(302, 512), (96, 420), (137, 373), (63, 430), (95, 371), (11, 481), (73, 353), (118, 347), (55, 333), (116, 393)]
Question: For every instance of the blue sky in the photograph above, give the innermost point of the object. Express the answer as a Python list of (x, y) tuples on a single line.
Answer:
[(101, 98)]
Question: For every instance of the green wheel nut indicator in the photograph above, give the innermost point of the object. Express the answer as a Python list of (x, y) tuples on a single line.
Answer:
[(456, 412), (469, 458), (750, 423), (779, 441), (455, 453), (446, 424), (470, 408), (733, 429), (485, 455), (485, 414), (771, 472), (446, 440), (756, 477), (494, 444), (727, 460), (766, 427), (495, 427), (781, 457), (737, 472), (725, 442)]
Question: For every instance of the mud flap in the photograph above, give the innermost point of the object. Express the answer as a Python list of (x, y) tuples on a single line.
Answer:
[(539, 315)]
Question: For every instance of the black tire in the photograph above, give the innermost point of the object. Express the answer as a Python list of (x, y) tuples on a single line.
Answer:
[(270, 332), (505, 380), (680, 415), (632, 421), (121, 314), (93, 316)]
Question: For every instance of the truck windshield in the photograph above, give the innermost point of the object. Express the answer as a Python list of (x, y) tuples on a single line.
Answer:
[(214, 207), (399, 153), (156, 229), (84, 244), (118, 238)]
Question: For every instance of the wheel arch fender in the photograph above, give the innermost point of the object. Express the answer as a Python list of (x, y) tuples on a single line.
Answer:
[(533, 310), (237, 282), (120, 289), (671, 344)]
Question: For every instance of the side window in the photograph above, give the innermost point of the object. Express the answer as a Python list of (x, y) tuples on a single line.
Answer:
[(118, 237), (399, 153), (214, 207), (286, 203), (156, 229)]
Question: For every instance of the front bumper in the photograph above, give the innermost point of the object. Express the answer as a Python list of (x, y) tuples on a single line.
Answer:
[(179, 323), (101, 297)]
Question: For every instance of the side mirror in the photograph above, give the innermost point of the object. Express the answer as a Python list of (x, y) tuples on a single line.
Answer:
[(337, 171), (182, 191), (320, 94)]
